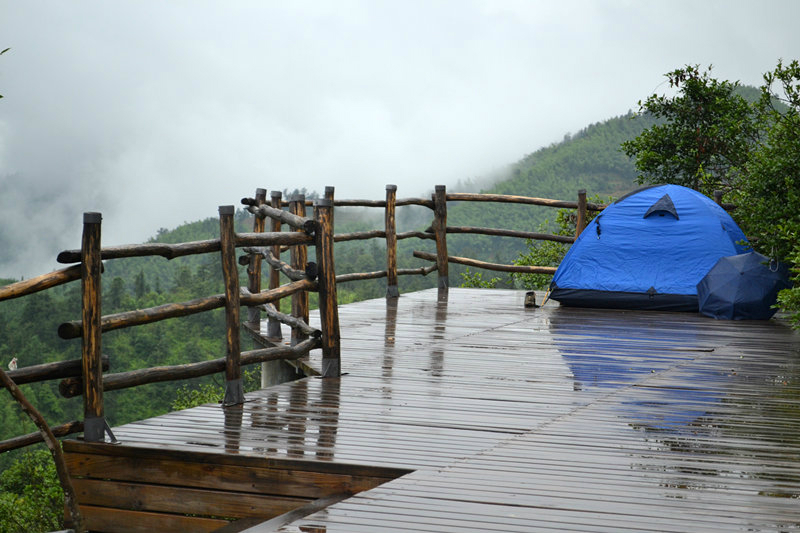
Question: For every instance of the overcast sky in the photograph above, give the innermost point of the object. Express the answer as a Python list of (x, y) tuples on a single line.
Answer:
[(155, 113)]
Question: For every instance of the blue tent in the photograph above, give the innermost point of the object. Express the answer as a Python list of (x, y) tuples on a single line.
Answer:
[(647, 250)]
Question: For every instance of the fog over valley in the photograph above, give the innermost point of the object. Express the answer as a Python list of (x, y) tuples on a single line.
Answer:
[(155, 113)]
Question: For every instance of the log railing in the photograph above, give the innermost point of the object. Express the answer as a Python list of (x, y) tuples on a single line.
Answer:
[(85, 377), (437, 232)]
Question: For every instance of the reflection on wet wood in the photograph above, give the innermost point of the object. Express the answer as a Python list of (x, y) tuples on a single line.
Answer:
[(507, 418)]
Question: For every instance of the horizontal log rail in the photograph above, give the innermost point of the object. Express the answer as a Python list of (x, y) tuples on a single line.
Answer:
[(512, 199), (171, 251), (269, 238), (488, 266), (72, 387), (415, 234), (40, 283), (29, 439), (126, 319), (567, 239), (360, 235), (306, 225), (48, 371), (424, 202), (362, 276)]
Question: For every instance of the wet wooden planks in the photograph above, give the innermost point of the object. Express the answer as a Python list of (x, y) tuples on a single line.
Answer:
[(514, 419), (677, 423)]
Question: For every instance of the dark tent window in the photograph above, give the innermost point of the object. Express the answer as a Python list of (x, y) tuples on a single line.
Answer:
[(662, 207)]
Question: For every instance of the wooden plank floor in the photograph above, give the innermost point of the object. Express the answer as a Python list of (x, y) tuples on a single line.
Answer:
[(514, 419)]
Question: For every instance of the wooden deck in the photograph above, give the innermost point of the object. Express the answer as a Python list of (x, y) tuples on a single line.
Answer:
[(475, 414)]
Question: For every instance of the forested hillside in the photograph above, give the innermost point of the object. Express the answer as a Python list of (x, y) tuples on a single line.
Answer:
[(591, 159)]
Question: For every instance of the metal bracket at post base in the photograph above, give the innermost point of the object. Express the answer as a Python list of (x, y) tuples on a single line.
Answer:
[(331, 368), (234, 393), (444, 282), (392, 291), (95, 428)]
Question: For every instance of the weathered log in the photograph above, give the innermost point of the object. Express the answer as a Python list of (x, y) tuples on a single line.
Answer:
[(168, 251), (310, 271), (40, 283), (360, 235), (415, 201), (392, 290), (274, 327), (289, 320), (362, 276), (511, 233), (299, 258), (328, 303), (488, 266), (359, 203), (281, 292), (234, 390), (421, 271), (71, 387), (71, 330), (171, 251), (53, 445), (91, 333), (293, 220), (46, 371), (266, 238), (580, 219), (440, 231), (381, 203), (34, 438), (254, 260), (415, 234), (512, 199)]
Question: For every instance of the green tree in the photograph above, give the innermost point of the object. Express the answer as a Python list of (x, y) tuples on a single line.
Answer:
[(31, 499), (768, 200), (704, 135)]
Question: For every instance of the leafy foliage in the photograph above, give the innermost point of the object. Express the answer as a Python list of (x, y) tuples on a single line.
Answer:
[(31, 499), (476, 281), (705, 135)]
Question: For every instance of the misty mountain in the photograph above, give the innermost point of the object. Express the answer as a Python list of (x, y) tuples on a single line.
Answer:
[(590, 159)]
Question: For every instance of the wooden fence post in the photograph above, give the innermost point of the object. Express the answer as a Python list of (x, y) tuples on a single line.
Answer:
[(254, 270), (326, 279), (392, 290), (94, 422), (273, 326), (718, 197), (440, 231), (234, 392), (299, 257), (580, 221)]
